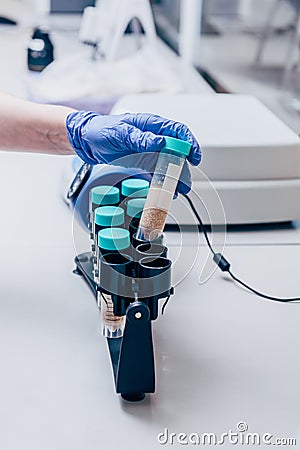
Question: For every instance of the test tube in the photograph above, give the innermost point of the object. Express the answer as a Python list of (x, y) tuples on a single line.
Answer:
[(111, 242), (134, 188), (116, 270), (134, 209), (113, 239), (163, 185), (105, 216), (101, 196)]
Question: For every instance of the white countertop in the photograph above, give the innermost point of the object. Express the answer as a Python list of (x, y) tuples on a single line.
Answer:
[(222, 355)]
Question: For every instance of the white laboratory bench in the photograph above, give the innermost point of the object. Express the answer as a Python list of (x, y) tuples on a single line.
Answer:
[(222, 355)]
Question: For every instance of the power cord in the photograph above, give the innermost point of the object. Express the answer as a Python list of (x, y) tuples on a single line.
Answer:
[(224, 264)]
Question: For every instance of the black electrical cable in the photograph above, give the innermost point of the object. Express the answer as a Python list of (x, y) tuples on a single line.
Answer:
[(165, 304), (201, 226), (224, 265)]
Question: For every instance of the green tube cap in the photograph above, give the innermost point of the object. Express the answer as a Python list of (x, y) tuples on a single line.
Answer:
[(109, 216), (135, 207), (135, 187), (105, 195), (114, 239), (177, 146)]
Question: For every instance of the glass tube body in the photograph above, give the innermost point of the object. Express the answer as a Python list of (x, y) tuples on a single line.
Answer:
[(161, 192), (111, 326)]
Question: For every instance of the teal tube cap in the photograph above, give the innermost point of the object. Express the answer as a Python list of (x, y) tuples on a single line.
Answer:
[(105, 195), (177, 146), (135, 207), (134, 187), (109, 216), (114, 239)]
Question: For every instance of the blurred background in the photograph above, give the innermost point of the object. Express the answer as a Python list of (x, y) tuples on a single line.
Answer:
[(244, 46), (235, 46)]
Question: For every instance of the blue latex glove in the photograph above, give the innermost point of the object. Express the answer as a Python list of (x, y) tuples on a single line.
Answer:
[(104, 138)]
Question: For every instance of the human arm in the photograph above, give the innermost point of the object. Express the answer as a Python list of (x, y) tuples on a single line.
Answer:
[(33, 127), (58, 130)]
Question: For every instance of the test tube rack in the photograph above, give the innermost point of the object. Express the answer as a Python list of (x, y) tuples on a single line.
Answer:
[(132, 355)]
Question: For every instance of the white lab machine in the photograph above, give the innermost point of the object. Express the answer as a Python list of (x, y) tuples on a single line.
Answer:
[(251, 157)]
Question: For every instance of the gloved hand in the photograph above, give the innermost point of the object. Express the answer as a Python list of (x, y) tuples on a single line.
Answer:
[(104, 138)]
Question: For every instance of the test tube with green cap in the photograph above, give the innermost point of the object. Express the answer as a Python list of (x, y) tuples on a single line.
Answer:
[(101, 196), (105, 216), (113, 239), (134, 209), (112, 242), (134, 188), (163, 186)]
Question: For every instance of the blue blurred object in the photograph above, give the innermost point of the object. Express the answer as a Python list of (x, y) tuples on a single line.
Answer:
[(88, 177)]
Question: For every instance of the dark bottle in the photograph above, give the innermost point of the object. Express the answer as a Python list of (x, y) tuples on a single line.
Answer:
[(40, 52)]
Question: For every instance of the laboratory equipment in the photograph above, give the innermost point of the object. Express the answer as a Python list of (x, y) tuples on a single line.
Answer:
[(250, 157), (113, 318), (108, 216), (111, 241), (154, 273), (134, 208), (77, 186), (134, 188), (105, 216), (163, 186), (104, 25), (143, 283), (127, 283), (40, 52), (133, 193), (101, 196), (151, 249), (136, 241)]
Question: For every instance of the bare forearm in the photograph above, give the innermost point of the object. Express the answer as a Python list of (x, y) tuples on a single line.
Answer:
[(27, 126)]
